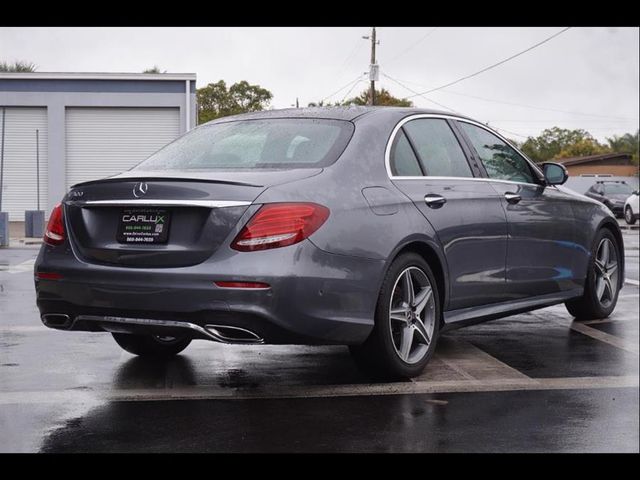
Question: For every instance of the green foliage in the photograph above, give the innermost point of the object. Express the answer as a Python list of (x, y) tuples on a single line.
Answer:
[(18, 66), (383, 98), (555, 141), (583, 148), (627, 143), (216, 100)]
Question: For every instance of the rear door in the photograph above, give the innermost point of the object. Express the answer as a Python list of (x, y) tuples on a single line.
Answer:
[(429, 164), (542, 251)]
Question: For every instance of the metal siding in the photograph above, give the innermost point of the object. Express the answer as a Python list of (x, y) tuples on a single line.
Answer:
[(101, 142), (20, 160)]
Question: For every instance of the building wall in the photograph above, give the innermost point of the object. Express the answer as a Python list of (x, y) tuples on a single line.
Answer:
[(58, 95), (617, 170)]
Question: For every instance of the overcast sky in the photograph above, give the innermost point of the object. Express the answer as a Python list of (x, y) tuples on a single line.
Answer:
[(585, 70)]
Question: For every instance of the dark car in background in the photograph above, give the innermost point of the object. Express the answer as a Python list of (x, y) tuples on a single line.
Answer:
[(612, 193), (376, 228)]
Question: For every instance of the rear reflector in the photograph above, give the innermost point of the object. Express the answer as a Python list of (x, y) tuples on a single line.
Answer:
[(54, 234), (48, 276), (280, 224), (242, 285)]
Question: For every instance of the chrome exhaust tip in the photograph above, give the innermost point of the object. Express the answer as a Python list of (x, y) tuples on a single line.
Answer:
[(56, 320), (231, 334)]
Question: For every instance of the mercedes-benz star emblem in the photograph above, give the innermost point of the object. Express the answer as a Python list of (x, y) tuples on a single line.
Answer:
[(140, 189)]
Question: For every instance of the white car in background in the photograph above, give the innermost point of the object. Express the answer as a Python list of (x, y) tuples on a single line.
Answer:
[(631, 210)]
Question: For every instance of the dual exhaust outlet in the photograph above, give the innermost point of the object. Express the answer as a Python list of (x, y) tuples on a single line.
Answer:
[(216, 333)]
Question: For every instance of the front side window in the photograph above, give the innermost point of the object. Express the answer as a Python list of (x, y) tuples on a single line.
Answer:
[(437, 147), (254, 144), (500, 160)]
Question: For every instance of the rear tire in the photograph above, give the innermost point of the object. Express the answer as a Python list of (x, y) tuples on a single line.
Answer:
[(407, 321), (603, 280), (151, 345), (629, 217)]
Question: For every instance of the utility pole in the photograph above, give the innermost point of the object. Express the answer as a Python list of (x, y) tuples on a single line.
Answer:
[(373, 67)]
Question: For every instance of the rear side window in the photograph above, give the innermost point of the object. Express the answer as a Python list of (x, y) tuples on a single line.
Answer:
[(437, 147), (255, 144), (403, 161)]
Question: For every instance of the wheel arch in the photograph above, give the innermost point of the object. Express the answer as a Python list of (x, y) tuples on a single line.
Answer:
[(433, 255), (613, 227)]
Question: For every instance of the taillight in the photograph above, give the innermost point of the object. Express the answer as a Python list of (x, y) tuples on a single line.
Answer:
[(54, 234), (280, 224)]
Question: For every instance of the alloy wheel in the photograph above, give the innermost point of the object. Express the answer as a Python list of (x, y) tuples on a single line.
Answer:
[(412, 315), (628, 215), (606, 272)]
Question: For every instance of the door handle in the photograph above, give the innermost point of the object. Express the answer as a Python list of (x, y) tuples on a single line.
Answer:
[(512, 197), (434, 201)]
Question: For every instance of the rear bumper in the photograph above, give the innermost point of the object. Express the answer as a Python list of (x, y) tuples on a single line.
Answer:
[(315, 297)]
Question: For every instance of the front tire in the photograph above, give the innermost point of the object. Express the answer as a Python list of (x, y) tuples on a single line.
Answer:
[(603, 280), (629, 217), (151, 345), (407, 321)]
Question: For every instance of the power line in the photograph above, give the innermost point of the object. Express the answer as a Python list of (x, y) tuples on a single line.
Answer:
[(428, 34), (350, 90), (418, 94), (503, 102), (508, 131), (495, 64), (343, 87), (538, 108)]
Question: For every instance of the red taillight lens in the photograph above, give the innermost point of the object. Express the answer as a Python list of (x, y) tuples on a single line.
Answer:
[(280, 224), (48, 276), (54, 235), (257, 285)]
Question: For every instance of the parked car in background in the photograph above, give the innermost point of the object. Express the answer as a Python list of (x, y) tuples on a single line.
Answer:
[(612, 193), (631, 210), (376, 228)]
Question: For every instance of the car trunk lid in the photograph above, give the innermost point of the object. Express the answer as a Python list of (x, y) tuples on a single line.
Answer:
[(115, 221)]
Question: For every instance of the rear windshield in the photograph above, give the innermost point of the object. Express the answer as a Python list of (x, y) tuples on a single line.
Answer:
[(614, 188), (254, 144)]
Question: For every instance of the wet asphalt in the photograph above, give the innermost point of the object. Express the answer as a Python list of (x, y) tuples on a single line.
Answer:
[(534, 382)]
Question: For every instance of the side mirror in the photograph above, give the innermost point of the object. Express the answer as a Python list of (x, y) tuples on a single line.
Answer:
[(554, 173), (636, 192)]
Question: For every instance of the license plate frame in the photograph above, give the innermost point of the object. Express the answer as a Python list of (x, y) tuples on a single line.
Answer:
[(143, 226)]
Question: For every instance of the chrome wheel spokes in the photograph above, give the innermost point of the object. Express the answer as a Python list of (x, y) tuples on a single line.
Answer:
[(606, 272), (412, 315)]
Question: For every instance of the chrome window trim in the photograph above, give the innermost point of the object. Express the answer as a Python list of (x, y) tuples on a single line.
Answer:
[(158, 203), (387, 154)]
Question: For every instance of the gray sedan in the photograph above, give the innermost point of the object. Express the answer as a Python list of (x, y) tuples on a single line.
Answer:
[(376, 228)]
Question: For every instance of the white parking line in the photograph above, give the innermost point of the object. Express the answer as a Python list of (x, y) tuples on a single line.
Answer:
[(25, 266), (318, 391), (605, 337)]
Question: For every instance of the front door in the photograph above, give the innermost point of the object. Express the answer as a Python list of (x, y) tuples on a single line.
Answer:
[(542, 251), (430, 166)]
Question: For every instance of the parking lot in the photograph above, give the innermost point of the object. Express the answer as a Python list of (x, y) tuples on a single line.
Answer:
[(533, 382)]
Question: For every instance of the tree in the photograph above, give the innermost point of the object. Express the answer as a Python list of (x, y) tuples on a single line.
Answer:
[(154, 69), (583, 148), (383, 98), (552, 141), (18, 66), (216, 100), (627, 143)]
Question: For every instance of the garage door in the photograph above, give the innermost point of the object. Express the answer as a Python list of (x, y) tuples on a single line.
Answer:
[(101, 142), (19, 184)]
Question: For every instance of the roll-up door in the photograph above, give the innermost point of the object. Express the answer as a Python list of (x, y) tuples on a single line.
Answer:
[(101, 142), (20, 171)]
